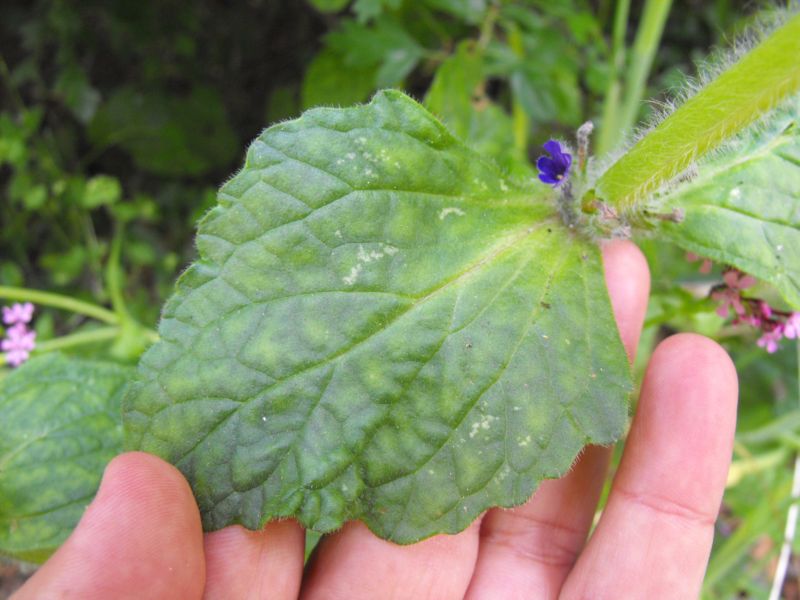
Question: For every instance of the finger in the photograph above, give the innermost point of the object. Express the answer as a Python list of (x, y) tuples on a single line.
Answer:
[(356, 564), (140, 538), (254, 564), (666, 495), (528, 551)]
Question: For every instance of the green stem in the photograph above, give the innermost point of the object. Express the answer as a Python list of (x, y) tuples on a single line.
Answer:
[(114, 275), (81, 338), (520, 121), (648, 38), (487, 27), (609, 126), (59, 301), (755, 84)]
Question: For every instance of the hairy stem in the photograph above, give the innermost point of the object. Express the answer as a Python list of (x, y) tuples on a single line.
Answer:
[(755, 84)]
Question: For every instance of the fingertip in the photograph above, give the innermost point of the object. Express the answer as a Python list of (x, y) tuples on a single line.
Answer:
[(242, 563), (690, 359), (140, 537), (687, 418), (145, 481), (628, 281)]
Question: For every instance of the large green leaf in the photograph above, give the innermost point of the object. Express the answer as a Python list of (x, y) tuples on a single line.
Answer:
[(379, 327), (743, 207), (60, 424)]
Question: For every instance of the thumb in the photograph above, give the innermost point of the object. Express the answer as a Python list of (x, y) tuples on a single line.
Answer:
[(140, 538)]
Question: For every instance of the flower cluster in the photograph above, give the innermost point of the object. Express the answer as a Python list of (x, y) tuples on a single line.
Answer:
[(19, 340), (774, 324)]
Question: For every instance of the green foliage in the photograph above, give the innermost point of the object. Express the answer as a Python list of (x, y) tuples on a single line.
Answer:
[(742, 207), (167, 135), (59, 426), (382, 327), (117, 124), (458, 97), (740, 95)]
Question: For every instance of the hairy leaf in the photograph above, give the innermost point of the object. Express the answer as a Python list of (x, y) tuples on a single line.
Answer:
[(379, 327), (59, 426), (743, 208), (742, 94)]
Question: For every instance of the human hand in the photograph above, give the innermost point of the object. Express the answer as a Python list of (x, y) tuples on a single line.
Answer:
[(141, 537)]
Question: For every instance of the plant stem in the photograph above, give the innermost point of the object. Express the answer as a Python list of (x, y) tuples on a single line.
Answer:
[(520, 121), (487, 27), (755, 84), (81, 338), (60, 301), (114, 275), (791, 518), (609, 126), (648, 38)]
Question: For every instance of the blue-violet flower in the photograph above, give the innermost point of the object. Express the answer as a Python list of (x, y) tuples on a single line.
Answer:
[(554, 169)]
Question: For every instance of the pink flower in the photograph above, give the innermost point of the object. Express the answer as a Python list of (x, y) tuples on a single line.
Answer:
[(18, 313), (705, 266), (20, 341), (736, 280), (791, 329), (770, 339), (728, 297)]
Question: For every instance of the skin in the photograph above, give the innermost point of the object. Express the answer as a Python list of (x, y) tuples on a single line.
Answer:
[(142, 538)]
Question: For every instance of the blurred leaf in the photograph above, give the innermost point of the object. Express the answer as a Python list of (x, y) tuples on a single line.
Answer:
[(167, 134), (10, 274), (458, 98), (101, 190), (65, 267), (471, 11), (283, 103), (369, 9), (384, 44), (379, 326), (330, 82), (36, 197), (329, 5), (77, 93), (743, 207), (59, 426)]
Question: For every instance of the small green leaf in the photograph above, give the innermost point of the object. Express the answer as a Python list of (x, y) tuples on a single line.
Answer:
[(329, 81), (743, 207), (379, 327), (384, 45), (100, 190), (59, 426)]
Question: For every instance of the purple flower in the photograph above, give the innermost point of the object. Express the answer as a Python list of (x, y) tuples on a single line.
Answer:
[(17, 313), (556, 169), (769, 340), (18, 344), (791, 329)]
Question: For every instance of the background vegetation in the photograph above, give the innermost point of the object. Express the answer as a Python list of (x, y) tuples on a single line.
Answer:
[(119, 120)]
